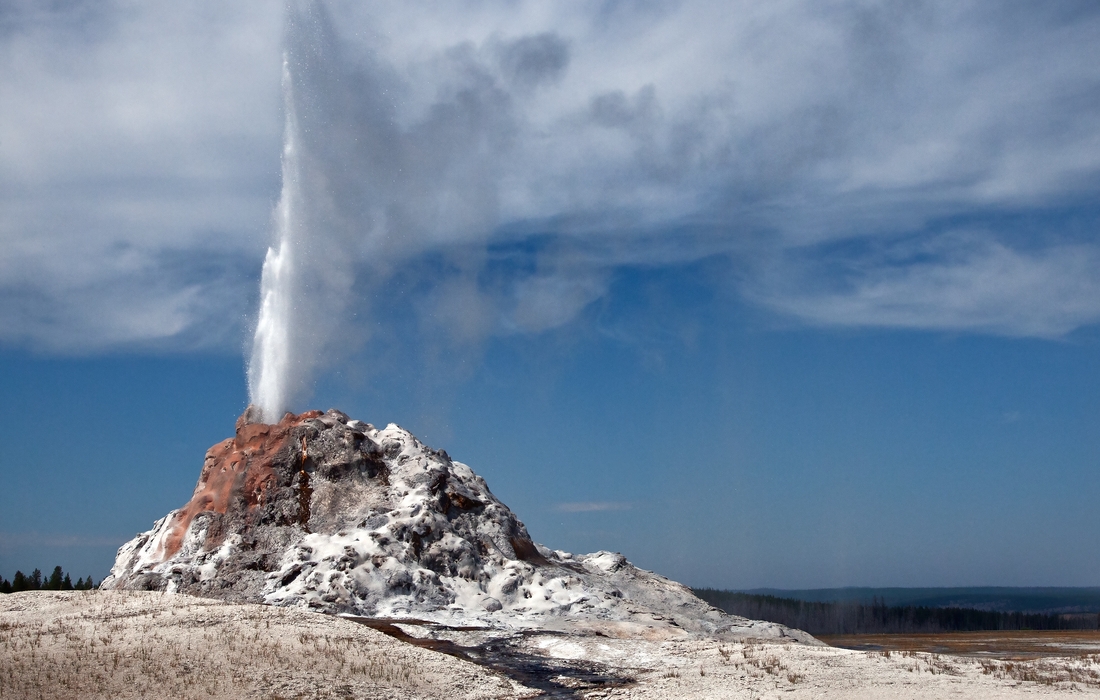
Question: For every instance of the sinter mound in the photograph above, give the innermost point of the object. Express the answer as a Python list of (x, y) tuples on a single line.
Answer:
[(332, 514)]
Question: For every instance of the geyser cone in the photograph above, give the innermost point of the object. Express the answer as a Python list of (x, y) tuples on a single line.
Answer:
[(333, 514)]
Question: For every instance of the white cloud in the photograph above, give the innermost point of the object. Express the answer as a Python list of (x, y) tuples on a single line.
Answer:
[(134, 140), (139, 137), (991, 288)]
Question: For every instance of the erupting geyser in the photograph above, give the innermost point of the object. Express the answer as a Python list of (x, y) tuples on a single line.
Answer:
[(269, 368), (321, 511), (307, 274)]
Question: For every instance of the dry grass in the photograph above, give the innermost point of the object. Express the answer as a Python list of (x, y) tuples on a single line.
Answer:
[(1075, 672), (1067, 659), (760, 669), (136, 645), (1068, 672), (93, 644), (1012, 645)]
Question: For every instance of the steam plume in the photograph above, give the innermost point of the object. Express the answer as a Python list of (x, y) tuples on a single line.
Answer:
[(306, 275), (271, 349)]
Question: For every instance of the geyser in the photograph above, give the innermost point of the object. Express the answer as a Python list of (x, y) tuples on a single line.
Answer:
[(307, 274), (268, 369)]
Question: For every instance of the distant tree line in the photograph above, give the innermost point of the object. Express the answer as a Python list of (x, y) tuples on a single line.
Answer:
[(878, 618), (56, 581)]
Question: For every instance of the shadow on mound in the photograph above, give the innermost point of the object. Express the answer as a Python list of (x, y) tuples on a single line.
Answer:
[(556, 678)]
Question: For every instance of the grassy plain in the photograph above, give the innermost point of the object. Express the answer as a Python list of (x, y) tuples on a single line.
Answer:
[(1014, 645)]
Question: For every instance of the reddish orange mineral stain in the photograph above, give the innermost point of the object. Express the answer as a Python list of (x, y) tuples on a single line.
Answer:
[(238, 466)]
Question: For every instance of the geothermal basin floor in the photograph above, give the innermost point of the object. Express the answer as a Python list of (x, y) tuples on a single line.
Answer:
[(105, 644), (1006, 645)]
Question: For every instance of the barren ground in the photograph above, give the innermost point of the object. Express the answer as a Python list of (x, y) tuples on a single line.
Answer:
[(100, 644)]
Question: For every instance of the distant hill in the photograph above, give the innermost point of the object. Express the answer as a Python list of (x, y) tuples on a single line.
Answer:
[(1047, 600)]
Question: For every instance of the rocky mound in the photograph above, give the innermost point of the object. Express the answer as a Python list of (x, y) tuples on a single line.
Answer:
[(329, 513)]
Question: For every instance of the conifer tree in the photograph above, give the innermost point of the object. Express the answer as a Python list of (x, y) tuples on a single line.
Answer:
[(19, 582), (5, 585), (55, 580), (67, 583), (36, 580), (79, 584)]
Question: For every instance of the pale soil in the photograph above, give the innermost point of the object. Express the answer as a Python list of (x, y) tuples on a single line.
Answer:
[(710, 670), (103, 644), (118, 644)]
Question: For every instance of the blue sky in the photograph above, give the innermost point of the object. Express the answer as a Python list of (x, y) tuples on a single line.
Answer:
[(793, 295)]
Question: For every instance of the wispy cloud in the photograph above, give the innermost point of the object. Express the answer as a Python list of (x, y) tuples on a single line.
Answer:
[(11, 540), (592, 506), (139, 153), (988, 287), (140, 142)]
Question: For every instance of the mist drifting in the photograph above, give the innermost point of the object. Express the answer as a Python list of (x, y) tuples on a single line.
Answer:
[(511, 160)]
